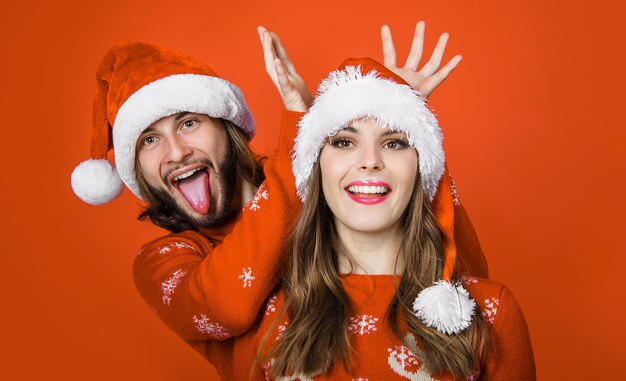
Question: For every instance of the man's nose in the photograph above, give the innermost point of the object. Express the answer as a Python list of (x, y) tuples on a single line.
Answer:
[(177, 150)]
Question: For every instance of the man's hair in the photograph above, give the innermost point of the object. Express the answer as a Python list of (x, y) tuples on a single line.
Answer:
[(161, 208)]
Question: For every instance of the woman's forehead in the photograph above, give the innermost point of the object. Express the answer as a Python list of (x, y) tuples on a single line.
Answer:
[(366, 125)]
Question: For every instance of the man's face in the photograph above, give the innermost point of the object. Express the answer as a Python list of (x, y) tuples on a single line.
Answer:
[(185, 157)]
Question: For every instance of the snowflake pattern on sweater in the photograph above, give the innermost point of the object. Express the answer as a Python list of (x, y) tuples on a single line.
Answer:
[(169, 286), (281, 330), (362, 324), (214, 330), (490, 310), (261, 194), (469, 280), (271, 305), (247, 277), (455, 193), (175, 245)]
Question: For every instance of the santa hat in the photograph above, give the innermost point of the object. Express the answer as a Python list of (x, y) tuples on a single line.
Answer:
[(138, 84), (363, 88)]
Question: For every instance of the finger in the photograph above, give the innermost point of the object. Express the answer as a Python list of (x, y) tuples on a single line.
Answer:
[(282, 54), (292, 99), (283, 78), (268, 54), (260, 29), (389, 51), (417, 47), (435, 60), (437, 79)]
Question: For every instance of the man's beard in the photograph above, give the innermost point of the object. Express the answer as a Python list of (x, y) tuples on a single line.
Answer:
[(165, 212)]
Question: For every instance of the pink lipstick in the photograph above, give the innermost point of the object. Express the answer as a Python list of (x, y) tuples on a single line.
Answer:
[(368, 192)]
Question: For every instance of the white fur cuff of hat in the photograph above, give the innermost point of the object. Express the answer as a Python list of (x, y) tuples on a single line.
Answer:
[(347, 95)]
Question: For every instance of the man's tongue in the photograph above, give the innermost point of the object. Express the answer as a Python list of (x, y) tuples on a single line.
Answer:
[(195, 189)]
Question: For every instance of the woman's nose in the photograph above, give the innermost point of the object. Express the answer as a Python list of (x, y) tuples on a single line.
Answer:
[(371, 158)]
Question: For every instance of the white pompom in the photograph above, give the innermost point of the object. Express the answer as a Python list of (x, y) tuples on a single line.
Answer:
[(445, 306), (96, 181)]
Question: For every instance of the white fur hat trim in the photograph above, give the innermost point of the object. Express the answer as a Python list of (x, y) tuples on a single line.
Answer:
[(348, 94), (195, 93), (445, 306)]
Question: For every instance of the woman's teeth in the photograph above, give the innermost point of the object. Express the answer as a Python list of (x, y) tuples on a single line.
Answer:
[(367, 189)]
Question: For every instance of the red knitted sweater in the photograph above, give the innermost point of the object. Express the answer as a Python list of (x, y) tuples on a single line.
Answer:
[(377, 353), (209, 286)]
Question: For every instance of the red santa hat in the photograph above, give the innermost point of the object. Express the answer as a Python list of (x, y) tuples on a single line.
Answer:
[(138, 84), (363, 88)]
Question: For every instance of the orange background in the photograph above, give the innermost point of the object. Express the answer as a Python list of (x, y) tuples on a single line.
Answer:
[(531, 121)]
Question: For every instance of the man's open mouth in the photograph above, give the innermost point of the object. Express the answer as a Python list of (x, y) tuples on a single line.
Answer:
[(193, 185)]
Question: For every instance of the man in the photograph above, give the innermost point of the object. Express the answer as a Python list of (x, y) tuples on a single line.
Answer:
[(180, 138)]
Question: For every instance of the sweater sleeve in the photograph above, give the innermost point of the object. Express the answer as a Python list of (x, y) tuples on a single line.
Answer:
[(211, 290), (511, 355)]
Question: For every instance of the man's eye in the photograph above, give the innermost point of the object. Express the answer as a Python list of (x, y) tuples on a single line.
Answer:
[(189, 123), (148, 140)]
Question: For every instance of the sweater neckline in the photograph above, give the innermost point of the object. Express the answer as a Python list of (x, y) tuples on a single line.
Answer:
[(377, 280)]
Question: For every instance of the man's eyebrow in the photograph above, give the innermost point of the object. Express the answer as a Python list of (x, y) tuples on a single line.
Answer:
[(181, 115)]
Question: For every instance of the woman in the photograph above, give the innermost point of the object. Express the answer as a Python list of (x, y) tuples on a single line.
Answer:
[(371, 290)]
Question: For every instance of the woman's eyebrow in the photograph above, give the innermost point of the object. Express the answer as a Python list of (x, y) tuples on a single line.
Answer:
[(349, 129), (393, 132)]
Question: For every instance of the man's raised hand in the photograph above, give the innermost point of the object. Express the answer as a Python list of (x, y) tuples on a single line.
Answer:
[(282, 72), (429, 77)]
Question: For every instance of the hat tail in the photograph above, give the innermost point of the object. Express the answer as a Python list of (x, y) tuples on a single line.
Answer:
[(446, 305), (96, 181)]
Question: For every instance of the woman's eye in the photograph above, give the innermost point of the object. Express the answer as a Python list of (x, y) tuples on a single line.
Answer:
[(189, 123), (396, 144), (148, 140), (342, 143)]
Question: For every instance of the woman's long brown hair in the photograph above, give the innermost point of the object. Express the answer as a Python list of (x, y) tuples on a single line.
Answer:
[(319, 309)]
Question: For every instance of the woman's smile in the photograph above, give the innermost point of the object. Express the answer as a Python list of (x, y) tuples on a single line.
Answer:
[(368, 191)]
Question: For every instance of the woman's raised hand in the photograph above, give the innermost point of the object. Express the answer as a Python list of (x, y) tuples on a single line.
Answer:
[(429, 77), (292, 89)]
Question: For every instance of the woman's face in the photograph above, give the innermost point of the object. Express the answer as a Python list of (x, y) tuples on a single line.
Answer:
[(368, 175)]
